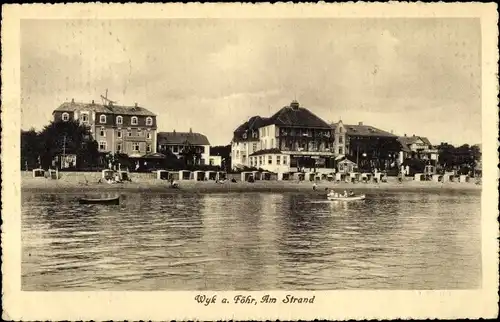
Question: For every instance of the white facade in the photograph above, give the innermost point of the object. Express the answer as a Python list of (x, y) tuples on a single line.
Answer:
[(268, 136), (240, 152), (271, 162)]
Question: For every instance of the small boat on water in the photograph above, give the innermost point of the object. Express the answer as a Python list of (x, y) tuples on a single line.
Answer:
[(100, 201), (337, 197)]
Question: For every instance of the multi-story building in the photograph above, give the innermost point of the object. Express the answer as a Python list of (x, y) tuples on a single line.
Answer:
[(417, 147), (367, 146), (127, 130), (179, 142), (293, 138), (246, 140)]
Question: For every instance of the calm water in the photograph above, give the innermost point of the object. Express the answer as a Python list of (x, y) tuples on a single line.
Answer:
[(392, 240)]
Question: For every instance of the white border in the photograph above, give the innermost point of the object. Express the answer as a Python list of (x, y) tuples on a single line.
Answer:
[(340, 305)]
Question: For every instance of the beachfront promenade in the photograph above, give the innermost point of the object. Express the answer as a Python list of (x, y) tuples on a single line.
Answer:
[(75, 181)]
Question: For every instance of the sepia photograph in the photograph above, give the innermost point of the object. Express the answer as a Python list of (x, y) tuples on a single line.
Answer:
[(286, 154)]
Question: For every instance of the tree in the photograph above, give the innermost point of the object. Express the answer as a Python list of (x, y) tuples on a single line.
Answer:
[(30, 149), (446, 155), (190, 154), (67, 137), (224, 151)]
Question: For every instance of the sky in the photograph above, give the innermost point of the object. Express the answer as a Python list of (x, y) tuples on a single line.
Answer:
[(409, 76)]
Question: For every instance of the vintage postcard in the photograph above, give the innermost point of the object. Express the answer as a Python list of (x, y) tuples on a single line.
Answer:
[(249, 161)]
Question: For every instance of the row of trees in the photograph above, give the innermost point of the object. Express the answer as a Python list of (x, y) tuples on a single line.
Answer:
[(40, 149), (464, 156)]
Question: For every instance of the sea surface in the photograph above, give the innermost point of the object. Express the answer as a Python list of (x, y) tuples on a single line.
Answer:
[(252, 241)]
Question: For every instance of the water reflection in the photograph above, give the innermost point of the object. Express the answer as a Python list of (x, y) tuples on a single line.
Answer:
[(252, 241)]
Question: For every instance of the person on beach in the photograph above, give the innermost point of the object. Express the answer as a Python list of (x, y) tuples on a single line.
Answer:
[(315, 186)]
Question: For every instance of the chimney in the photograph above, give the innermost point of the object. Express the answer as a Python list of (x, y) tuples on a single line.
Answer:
[(392, 132), (405, 134), (72, 100), (92, 102), (136, 105), (190, 130), (174, 131), (413, 135), (360, 123)]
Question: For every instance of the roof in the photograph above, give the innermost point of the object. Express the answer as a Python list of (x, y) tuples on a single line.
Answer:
[(409, 140), (266, 151), (297, 116), (366, 130), (99, 108), (165, 138), (253, 124)]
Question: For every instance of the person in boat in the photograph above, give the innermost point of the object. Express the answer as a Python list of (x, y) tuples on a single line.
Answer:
[(345, 193), (351, 193)]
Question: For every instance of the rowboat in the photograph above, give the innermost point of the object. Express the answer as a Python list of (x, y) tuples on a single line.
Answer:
[(102, 201), (344, 198)]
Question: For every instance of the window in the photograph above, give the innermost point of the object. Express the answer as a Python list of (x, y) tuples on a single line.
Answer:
[(270, 159), (139, 132), (129, 133), (254, 147), (341, 139), (119, 148), (284, 160), (244, 136), (102, 119), (278, 160), (341, 150), (102, 145), (272, 143), (148, 148), (149, 121), (148, 135), (85, 118), (135, 147), (176, 149), (255, 135), (119, 134), (65, 117), (202, 149), (134, 120), (119, 120), (341, 130), (260, 160), (251, 161), (102, 132)]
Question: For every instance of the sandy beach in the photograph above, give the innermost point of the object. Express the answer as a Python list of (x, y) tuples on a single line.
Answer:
[(152, 185)]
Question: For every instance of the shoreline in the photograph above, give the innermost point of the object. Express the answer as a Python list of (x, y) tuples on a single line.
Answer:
[(60, 186)]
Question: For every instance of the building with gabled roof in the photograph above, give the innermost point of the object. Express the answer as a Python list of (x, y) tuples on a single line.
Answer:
[(369, 146), (178, 142), (418, 147)]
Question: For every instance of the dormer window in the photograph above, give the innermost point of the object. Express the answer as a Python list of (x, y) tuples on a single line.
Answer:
[(149, 121), (65, 117), (119, 120), (134, 120), (244, 136), (102, 119), (255, 135)]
